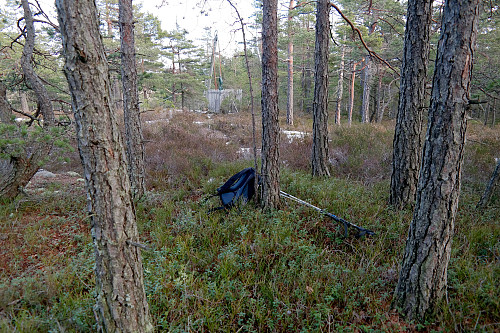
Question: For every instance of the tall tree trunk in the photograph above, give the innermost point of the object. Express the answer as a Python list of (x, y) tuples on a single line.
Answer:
[(340, 86), (423, 276), (132, 118), (289, 104), (378, 97), (367, 80), (109, 21), (121, 299), (270, 125), (408, 133), (319, 158), (351, 94)]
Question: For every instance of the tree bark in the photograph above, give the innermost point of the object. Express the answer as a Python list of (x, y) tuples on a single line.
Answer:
[(494, 180), (407, 143), (351, 94), (19, 168), (24, 102), (5, 109), (31, 77), (270, 124), (121, 300), (340, 86), (289, 104), (423, 276), (319, 158), (367, 79), (378, 97), (132, 118)]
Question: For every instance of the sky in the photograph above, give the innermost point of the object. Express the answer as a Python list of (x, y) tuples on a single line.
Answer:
[(194, 16)]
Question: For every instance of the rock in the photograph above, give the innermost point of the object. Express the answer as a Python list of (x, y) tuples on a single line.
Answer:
[(45, 174), (73, 174)]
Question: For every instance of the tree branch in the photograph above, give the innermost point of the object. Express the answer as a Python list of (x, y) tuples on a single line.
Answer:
[(370, 52)]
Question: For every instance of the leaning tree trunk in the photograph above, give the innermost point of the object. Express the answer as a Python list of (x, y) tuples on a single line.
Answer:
[(132, 119), (407, 137), (17, 170), (423, 276), (270, 125), (121, 299), (319, 158)]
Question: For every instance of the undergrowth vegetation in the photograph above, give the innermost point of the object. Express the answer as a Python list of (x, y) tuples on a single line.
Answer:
[(244, 270)]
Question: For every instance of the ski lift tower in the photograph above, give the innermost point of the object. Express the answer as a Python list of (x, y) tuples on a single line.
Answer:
[(216, 94)]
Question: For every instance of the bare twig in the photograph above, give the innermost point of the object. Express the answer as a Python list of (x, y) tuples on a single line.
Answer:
[(142, 246), (251, 92)]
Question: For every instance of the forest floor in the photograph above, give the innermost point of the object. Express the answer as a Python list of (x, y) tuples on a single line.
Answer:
[(244, 270)]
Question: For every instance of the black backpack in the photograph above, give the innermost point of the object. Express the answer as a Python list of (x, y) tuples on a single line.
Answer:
[(240, 185)]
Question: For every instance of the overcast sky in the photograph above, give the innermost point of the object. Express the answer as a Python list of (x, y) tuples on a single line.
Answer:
[(194, 16)]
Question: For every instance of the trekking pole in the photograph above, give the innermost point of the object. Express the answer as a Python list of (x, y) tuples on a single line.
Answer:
[(362, 231)]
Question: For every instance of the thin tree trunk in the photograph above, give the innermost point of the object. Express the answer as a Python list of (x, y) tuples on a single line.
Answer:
[(132, 118), (270, 125), (494, 111), (109, 22), (351, 93), (252, 109), (340, 86), (407, 144), (121, 299), (319, 158), (378, 96), (32, 78), (495, 176), (289, 105), (367, 79), (423, 277)]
